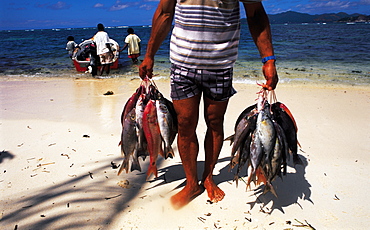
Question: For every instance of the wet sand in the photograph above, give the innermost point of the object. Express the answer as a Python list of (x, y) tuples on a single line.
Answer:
[(59, 138)]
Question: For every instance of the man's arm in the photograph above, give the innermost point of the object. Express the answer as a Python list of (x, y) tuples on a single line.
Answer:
[(259, 27), (161, 25)]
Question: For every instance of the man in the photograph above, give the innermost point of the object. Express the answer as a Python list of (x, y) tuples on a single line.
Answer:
[(103, 49), (71, 45), (204, 46), (132, 41)]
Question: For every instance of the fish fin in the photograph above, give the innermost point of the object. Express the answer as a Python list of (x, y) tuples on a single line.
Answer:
[(299, 144), (120, 142), (152, 170), (249, 180), (162, 153), (261, 178), (287, 111), (234, 160), (230, 138)]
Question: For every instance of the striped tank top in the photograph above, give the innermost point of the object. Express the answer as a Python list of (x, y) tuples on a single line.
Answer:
[(206, 33)]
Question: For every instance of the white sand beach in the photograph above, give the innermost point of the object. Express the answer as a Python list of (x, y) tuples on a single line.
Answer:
[(59, 137)]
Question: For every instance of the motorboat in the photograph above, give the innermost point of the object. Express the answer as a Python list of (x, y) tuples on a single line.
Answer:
[(82, 55)]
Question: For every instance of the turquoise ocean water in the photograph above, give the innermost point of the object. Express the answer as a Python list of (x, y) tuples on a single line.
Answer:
[(328, 53)]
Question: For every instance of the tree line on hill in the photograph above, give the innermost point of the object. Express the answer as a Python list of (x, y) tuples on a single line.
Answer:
[(296, 17)]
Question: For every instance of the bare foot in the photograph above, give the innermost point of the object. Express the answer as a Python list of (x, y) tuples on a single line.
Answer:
[(215, 194), (187, 194)]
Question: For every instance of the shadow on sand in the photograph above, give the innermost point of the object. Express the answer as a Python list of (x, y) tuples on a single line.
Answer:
[(90, 200), (290, 188), (5, 155), (93, 200)]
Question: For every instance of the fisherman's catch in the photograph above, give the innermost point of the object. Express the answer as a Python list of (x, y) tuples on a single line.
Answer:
[(265, 136), (149, 127)]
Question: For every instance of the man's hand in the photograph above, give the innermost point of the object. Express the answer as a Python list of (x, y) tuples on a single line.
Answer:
[(269, 71), (146, 68)]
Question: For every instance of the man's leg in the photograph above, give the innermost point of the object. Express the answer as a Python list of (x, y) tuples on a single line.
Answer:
[(108, 69), (102, 70), (214, 112), (187, 114)]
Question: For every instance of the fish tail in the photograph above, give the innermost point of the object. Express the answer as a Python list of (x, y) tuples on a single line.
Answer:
[(269, 188), (135, 165), (152, 170), (249, 180), (236, 179), (124, 166), (169, 152)]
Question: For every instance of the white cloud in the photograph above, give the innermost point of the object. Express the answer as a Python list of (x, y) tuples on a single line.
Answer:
[(118, 6), (98, 5), (146, 7), (57, 6)]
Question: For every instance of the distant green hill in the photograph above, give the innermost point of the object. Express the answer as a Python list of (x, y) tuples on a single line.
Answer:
[(293, 17)]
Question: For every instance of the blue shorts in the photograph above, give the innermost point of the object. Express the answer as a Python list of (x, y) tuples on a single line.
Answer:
[(215, 84)]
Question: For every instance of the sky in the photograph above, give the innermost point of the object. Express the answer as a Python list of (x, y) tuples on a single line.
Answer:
[(44, 14)]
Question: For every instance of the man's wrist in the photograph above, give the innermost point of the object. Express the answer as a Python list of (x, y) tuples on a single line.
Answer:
[(265, 59)]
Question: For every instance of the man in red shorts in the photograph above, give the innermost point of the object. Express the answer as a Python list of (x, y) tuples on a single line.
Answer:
[(132, 42), (203, 50)]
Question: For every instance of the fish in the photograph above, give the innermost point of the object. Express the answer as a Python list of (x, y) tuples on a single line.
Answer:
[(242, 157), (128, 142), (167, 127), (153, 137), (141, 147), (263, 136), (276, 160), (245, 152), (241, 116), (256, 154), (289, 127), (266, 133), (244, 114), (284, 148), (245, 125), (131, 102)]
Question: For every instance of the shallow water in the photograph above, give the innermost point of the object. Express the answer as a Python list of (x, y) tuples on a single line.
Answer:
[(330, 53)]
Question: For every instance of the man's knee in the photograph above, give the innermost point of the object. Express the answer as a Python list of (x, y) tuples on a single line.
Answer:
[(215, 122), (186, 125)]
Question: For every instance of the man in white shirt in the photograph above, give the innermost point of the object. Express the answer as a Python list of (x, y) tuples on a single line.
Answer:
[(132, 41), (103, 47)]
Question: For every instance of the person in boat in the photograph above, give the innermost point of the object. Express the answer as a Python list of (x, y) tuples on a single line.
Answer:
[(103, 49), (132, 41), (203, 50), (71, 45)]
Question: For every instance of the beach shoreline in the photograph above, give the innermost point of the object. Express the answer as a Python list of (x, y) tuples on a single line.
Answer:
[(59, 142)]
